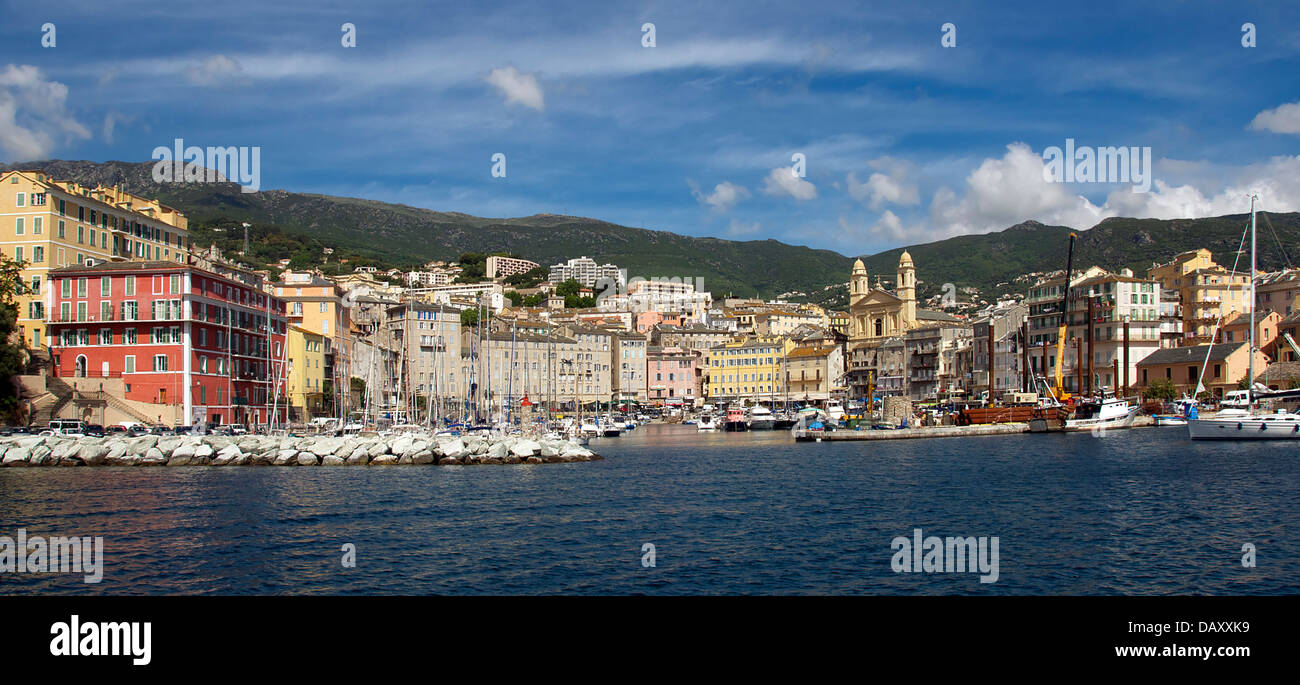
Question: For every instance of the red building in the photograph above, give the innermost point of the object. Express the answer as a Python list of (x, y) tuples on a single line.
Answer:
[(175, 335)]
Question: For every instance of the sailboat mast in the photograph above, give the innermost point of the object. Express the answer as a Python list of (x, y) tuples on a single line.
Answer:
[(1250, 386)]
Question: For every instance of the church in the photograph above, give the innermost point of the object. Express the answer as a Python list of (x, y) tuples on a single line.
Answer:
[(876, 313)]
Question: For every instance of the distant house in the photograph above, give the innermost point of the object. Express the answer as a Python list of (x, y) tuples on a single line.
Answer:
[(1225, 365)]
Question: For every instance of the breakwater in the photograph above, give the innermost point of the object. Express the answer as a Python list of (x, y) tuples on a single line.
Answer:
[(257, 450)]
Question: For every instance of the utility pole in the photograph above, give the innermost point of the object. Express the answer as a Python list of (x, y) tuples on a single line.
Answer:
[(1092, 299)]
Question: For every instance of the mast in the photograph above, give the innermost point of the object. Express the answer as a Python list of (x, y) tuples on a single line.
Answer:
[(1250, 376)]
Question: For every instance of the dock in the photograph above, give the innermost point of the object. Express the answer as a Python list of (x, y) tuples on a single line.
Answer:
[(912, 433)]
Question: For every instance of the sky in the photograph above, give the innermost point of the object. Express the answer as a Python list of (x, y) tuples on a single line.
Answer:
[(856, 127)]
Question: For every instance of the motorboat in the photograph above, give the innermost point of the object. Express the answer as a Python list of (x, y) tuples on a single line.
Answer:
[(1103, 413), (706, 422), (735, 421), (760, 418)]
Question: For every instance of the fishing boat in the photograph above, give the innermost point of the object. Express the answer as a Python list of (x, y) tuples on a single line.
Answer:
[(735, 421), (760, 418), (835, 410), (783, 421), (1249, 423), (706, 422), (1106, 412)]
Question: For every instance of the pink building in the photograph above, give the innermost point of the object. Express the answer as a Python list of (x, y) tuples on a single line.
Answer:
[(647, 320), (672, 376)]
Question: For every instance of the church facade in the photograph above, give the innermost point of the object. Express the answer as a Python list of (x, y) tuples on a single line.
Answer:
[(876, 314)]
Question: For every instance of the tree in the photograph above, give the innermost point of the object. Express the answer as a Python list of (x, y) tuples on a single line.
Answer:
[(1160, 389), (469, 317), (13, 349), (515, 298), (566, 288)]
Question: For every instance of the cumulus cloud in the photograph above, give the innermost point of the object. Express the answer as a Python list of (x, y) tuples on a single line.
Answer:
[(783, 181), (34, 115), (890, 185), (1008, 190), (517, 86), (1280, 119), (725, 195), (213, 70)]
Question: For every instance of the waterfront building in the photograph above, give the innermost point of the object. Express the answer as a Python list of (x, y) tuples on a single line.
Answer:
[(673, 376), (1278, 291), (1120, 303), (427, 337), (307, 382), (629, 366), (1225, 366), (749, 368), (1008, 321), (503, 267), (812, 373), (931, 362), (200, 347), (47, 224), (594, 357)]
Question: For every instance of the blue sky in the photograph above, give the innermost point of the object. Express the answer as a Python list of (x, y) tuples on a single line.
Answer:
[(905, 141)]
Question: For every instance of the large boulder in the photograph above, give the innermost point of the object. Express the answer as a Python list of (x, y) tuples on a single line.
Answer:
[(525, 448), (453, 448), (422, 457), (401, 444), (168, 445), (307, 459), (40, 456), (93, 454), (16, 456), (360, 456), (153, 457), (206, 451), (286, 457), (448, 461), (181, 452), (377, 448), (384, 460), (332, 460), (498, 450)]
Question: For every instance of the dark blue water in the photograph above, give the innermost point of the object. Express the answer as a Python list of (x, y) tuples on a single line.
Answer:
[(1143, 511)]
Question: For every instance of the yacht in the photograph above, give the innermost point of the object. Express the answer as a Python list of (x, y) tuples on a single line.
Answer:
[(760, 418), (706, 422), (835, 410), (1102, 413)]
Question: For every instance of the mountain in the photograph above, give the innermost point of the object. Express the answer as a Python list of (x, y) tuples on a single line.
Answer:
[(407, 236), (300, 225)]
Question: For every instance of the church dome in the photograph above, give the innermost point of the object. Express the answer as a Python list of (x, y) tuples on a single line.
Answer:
[(905, 258), (858, 266)]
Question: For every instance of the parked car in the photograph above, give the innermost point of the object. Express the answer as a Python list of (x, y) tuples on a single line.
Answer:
[(116, 430), (94, 430)]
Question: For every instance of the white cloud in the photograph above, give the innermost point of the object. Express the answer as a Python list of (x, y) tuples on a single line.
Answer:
[(783, 181), (33, 114), (1281, 119), (891, 187), (517, 86), (741, 228), (213, 70), (1008, 190), (725, 195)]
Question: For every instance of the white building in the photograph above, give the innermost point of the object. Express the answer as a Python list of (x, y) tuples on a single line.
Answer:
[(585, 271), (501, 267)]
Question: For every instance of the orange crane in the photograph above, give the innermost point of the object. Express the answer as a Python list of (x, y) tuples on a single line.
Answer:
[(1059, 390)]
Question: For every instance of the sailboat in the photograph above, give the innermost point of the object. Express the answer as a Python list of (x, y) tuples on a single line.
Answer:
[(1247, 423)]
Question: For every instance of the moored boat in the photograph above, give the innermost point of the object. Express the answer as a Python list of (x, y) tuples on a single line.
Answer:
[(1107, 412), (706, 422), (735, 421), (760, 418)]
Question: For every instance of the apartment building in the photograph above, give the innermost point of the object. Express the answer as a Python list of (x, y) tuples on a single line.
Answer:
[(306, 373), (672, 375), (47, 224), (812, 373), (629, 366), (1207, 292), (503, 267), (202, 348), (748, 369), (587, 272)]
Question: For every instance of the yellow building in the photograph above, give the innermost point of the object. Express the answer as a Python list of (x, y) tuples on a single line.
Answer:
[(750, 368), (1206, 291), (46, 224), (306, 357)]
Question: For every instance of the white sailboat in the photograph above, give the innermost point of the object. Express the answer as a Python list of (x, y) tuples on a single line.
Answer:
[(1247, 423)]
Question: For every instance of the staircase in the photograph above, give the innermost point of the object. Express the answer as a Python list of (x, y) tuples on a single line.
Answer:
[(47, 407)]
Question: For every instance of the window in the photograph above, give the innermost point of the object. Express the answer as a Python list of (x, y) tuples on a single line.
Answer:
[(130, 310), (20, 199), (18, 226), (130, 285), (81, 311), (105, 311), (81, 287), (160, 362), (128, 336), (105, 336), (18, 254), (129, 364), (38, 254), (62, 227), (105, 286), (65, 311), (176, 284)]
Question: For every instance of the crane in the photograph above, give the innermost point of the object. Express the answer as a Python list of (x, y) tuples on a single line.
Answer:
[(1059, 390)]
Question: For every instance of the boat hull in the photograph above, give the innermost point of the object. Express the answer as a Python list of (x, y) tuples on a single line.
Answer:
[(761, 424), (735, 426), (1170, 420), (1108, 423), (1269, 427)]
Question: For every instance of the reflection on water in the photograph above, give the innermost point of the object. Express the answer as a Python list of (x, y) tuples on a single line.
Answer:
[(1143, 511)]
